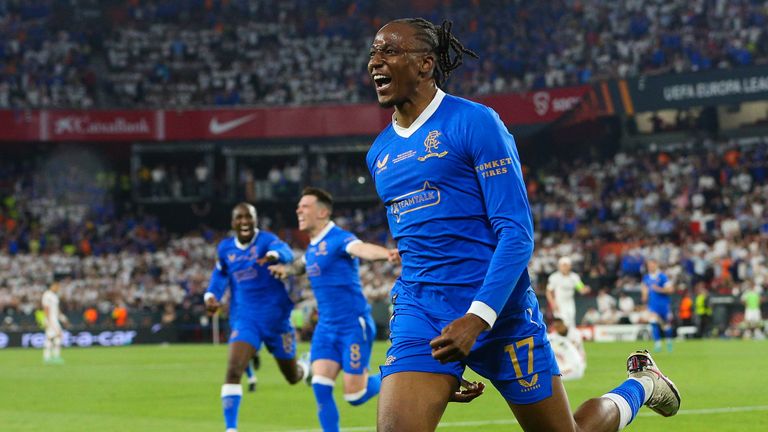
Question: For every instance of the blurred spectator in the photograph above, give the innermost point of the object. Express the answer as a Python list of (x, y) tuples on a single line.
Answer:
[(90, 316), (212, 53), (591, 317), (626, 308), (120, 315)]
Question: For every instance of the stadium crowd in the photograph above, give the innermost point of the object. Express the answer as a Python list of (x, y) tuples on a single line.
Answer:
[(700, 212), (140, 53)]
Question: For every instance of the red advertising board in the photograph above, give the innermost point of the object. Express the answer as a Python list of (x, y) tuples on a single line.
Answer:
[(324, 121), (19, 125), (541, 106), (256, 123), (95, 125)]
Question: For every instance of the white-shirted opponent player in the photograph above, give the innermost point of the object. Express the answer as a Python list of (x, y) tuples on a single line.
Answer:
[(569, 350), (560, 291), (53, 321)]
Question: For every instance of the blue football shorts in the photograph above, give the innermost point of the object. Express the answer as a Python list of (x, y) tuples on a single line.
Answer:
[(661, 310), (278, 336), (349, 345), (515, 355)]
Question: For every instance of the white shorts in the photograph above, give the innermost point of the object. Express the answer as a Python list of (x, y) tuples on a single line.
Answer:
[(53, 331), (753, 316), (567, 313), (569, 360)]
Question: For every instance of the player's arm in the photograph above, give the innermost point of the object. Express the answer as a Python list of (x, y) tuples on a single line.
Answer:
[(581, 288), (506, 203), (63, 319), (644, 293), (372, 252), (217, 285), (46, 312), (665, 287), (279, 252), (551, 301), (489, 144), (283, 271)]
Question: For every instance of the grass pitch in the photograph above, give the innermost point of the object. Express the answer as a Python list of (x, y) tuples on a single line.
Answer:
[(176, 388)]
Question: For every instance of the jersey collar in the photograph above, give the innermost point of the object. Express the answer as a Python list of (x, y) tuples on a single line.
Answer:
[(316, 239), (421, 119), (247, 245)]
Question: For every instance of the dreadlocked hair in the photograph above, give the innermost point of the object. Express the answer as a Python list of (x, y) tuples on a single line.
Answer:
[(440, 41)]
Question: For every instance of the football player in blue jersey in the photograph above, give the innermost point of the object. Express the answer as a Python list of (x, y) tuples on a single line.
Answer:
[(448, 171), (656, 291), (345, 330), (263, 306)]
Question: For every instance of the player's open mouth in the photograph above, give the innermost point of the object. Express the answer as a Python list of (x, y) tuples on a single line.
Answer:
[(245, 230), (382, 81)]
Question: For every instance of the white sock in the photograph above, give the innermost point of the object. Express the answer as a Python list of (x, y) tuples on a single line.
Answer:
[(57, 348), (647, 383), (625, 411)]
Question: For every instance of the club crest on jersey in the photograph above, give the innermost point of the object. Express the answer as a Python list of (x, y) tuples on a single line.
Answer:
[(231, 257), (431, 143), (381, 165), (322, 248)]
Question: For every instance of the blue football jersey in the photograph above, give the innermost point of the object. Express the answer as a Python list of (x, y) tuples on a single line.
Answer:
[(335, 278), (456, 205), (656, 299), (255, 293)]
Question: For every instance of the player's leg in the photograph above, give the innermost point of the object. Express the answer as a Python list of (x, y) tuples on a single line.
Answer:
[(242, 345), (326, 364), (413, 401), (554, 413), (611, 412), (324, 373), (56, 351), (232, 391), (359, 385), (251, 378), (48, 346), (668, 331), (281, 342), (568, 313), (415, 388), (655, 321), (518, 359)]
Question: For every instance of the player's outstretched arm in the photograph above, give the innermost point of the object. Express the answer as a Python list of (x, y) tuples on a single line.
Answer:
[(283, 271), (279, 252), (373, 252)]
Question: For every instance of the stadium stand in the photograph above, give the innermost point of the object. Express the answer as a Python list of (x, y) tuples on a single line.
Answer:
[(700, 212), (698, 207), (129, 53)]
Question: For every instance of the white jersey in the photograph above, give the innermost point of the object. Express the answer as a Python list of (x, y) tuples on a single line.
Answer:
[(564, 286), (570, 356), (51, 302)]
